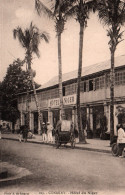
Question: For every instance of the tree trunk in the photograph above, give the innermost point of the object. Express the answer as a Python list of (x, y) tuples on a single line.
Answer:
[(112, 97), (27, 110), (29, 58), (36, 100), (60, 78), (81, 131)]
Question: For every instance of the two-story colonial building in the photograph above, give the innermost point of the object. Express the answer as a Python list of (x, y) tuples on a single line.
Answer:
[(95, 97)]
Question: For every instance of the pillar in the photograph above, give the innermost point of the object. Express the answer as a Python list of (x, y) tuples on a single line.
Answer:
[(115, 120), (107, 114), (21, 118), (39, 125), (88, 122), (73, 115), (32, 122), (50, 116), (91, 118)]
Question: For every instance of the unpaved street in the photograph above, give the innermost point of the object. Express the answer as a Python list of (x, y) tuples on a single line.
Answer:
[(62, 170)]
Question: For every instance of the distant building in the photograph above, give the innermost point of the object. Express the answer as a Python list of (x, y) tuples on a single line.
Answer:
[(95, 98)]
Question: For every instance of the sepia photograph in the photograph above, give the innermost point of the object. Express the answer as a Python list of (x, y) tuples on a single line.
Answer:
[(62, 97)]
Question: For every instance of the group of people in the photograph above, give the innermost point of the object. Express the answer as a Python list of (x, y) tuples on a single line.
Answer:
[(23, 133), (47, 130)]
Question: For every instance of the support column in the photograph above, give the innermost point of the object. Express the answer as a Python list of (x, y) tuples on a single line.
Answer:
[(107, 114), (73, 116), (21, 118), (91, 118), (39, 126), (50, 116), (76, 119), (32, 122), (115, 120), (88, 119)]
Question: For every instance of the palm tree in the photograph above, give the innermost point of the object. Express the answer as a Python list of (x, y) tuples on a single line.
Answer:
[(57, 13), (80, 11), (30, 40), (112, 14)]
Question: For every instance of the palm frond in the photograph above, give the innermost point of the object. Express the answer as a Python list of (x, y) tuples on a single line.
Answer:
[(45, 36), (111, 12), (63, 6), (42, 9), (18, 33), (30, 39), (71, 12)]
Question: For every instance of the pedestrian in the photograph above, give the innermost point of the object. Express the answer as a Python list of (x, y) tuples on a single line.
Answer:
[(20, 135), (121, 140), (49, 132), (44, 132), (24, 132)]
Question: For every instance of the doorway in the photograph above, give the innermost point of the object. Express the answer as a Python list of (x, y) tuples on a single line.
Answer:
[(35, 122)]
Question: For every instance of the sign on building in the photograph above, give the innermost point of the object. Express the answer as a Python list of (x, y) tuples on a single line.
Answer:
[(67, 100)]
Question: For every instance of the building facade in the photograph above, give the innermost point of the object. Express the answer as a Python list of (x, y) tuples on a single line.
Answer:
[(95, 98)]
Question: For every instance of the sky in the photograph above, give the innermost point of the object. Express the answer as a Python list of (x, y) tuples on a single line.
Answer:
[(14, 13)]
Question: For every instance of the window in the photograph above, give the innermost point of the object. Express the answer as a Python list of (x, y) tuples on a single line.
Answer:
[(90, 85), (63, 91), (120, 78), (70, 89), (107, 80), (81, 86), (102, 81), (99, 82), (96, 83), (67, 90), (84, 86)]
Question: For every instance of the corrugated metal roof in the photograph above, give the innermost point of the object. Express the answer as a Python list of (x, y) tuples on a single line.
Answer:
[(88, 70)]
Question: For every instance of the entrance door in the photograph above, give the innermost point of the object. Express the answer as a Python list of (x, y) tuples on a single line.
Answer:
[(84, 117), (45, 116), (55, 117), (35, 122), (68, 114), (98, 113)]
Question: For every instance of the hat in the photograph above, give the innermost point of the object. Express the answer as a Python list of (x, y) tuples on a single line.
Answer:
[(43, 123), (48, 123)]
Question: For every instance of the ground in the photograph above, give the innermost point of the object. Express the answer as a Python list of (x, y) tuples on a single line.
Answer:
[(63, 170)]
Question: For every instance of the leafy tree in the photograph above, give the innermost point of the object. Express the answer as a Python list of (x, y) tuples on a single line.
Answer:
[(16, 81), (112, 14), (30, 39), (80, 10), (58, 14)]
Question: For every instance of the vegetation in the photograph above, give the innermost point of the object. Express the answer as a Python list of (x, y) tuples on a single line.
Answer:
[(80, 10), (30, 40), (112, 14), (58, 14), (16, 81)]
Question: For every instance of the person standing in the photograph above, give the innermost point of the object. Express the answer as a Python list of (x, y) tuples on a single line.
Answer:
[(121, 140), (44, 132), (20, 136), (24, 132), (49, 132)]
